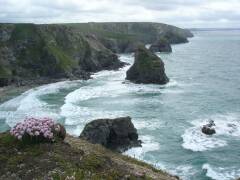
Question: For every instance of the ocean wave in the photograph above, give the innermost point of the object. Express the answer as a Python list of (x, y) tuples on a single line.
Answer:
[(185, 172), (150, 124), (148, 145), (76, 115), (219, 173), (226, 125), (29, 103), (195, 140)]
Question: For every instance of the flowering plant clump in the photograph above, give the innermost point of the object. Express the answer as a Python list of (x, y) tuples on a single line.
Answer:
[(35, 130)]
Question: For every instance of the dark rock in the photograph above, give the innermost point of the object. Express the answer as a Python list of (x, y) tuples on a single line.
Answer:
[(4, 82), (117, 134), (161, 45), (209, 128), (147, 68)]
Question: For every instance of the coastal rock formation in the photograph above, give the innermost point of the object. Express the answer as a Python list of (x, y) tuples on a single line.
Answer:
[(30, 52), (162, 45), (117, 134), (148, 68), (209, 128), (120, 36)]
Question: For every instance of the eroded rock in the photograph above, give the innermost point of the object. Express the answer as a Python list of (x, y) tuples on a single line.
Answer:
[(117, 134), (148, 68)]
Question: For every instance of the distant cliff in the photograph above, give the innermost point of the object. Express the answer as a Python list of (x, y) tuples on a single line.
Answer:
[(125, 36), (30, 52)]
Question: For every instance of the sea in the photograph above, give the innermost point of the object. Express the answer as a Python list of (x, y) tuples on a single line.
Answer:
[(204, 85)]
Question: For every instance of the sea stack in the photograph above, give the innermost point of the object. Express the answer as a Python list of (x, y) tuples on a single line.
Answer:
[(148, 68), (162, 45)]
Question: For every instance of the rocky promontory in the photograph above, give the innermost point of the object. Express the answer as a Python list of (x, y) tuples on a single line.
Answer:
[(148, 68)]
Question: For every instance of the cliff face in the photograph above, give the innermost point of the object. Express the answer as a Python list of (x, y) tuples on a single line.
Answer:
[(29, 51), (124, 37)]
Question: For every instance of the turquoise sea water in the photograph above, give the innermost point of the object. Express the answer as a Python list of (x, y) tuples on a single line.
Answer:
[(205, 84)]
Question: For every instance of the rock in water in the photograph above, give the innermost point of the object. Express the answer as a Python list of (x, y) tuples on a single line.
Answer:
[(161, 45), (148, 68), (116, 134), (208, 128)]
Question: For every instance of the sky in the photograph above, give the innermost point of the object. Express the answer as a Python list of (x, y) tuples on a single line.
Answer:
[(183, 13)]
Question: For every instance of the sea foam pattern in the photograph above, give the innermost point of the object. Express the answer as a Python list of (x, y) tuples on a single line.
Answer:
[(220, 173), (226, 125), (29, 104)]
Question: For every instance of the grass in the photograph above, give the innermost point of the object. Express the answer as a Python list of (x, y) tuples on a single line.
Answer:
[(64, 62), (72, 158)]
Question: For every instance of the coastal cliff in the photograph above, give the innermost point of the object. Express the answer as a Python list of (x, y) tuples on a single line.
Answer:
[(31, 53)]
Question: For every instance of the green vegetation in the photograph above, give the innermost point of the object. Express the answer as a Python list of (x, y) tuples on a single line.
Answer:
[(4, 72), (23, 32), (64, 62), (73, 158)]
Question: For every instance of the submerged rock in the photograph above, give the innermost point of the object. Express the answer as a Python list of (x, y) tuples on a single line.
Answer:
[(117, 134), (209, 128), (161, 45), (147, 68)]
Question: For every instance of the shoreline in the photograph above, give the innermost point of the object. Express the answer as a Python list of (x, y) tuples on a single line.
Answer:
[(14, 90)]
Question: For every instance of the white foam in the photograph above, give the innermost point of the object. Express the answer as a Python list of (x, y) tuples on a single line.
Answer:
[(148, 145), (226, 125), (185, 172), (150, 124), (195, 140), (219, 173), (148, 46), (29, 103)]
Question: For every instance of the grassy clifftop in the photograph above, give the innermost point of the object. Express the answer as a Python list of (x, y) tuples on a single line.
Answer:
[(146, 32), (72, 158)]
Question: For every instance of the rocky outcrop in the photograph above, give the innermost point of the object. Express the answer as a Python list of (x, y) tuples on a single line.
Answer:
[(148, 68), (162, 45), (117, 134), (208, 129)]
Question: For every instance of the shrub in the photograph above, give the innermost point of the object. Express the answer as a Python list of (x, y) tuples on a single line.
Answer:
[(34, 130)]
